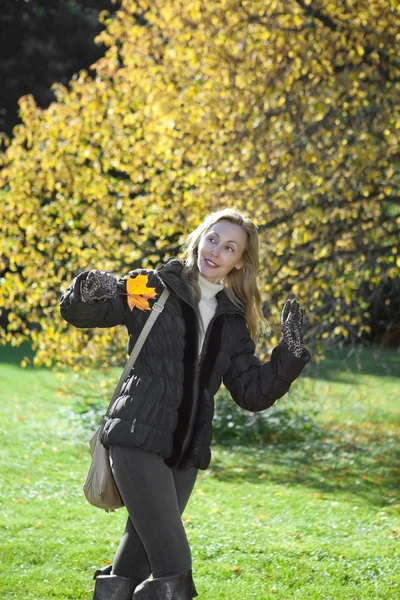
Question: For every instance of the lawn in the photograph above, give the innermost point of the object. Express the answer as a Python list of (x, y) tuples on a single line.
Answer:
[(317, 518)]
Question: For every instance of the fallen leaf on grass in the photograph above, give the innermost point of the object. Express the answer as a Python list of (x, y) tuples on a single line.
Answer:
[(236, 570), (396, 532)]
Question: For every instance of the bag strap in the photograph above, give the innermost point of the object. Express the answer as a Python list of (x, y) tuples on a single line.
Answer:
[(157, 308)]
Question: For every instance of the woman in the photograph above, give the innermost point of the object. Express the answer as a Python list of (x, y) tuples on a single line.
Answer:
[(159, 431)]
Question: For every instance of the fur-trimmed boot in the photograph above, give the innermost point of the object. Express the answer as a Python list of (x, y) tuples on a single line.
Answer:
[(113, 587), (172, 587)]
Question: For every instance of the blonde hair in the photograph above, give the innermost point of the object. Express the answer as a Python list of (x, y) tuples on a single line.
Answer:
[(240, 285)]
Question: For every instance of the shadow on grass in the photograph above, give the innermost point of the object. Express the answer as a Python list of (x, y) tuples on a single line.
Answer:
[(359, 462), (363, 460), (13, 355), (347, 363)]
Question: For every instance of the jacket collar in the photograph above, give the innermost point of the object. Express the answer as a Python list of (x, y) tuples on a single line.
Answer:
[(171, 272)]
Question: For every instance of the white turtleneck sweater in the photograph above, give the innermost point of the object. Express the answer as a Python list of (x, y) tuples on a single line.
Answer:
[(208, 303)]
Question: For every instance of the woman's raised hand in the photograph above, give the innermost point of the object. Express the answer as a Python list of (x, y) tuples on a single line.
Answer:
[(291, 321), (98, 285)]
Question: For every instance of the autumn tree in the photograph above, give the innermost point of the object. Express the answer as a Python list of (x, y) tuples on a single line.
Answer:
[(286, 110)]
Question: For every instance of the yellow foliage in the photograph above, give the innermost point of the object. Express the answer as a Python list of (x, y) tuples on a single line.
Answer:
[(283, 111)]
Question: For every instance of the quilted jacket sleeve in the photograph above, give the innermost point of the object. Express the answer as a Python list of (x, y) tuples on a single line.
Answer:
[(255, 386), (102, 313)]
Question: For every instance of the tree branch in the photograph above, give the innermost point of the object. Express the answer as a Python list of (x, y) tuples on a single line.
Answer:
[(317, 13)]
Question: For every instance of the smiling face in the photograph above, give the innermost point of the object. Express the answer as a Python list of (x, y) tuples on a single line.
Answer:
[(220, 250)]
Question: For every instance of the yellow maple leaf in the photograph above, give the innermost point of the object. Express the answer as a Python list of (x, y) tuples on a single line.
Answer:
[(138, 293)]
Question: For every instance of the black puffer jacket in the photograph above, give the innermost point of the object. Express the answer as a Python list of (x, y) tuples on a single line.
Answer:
[(166, 405)]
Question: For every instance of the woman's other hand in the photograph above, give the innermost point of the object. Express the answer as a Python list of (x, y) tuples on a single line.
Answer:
[(98, 285), (291, 321)]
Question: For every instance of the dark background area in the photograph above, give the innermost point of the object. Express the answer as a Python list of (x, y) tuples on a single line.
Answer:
[(42, 42)]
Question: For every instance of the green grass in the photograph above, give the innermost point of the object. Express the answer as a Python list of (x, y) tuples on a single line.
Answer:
[(317, 519)]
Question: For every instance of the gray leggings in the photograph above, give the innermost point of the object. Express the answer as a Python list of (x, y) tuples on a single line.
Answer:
[(155, 497)]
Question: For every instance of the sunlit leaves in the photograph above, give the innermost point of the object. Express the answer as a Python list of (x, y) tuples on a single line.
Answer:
[(286, 110)]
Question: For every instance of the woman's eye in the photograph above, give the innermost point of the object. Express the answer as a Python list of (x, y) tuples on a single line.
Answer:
[(212, 239)]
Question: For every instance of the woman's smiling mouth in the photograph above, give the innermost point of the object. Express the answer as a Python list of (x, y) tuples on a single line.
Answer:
[(210, 264)]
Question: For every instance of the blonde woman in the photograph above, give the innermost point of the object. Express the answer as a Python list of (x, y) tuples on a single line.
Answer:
[(159, 431)]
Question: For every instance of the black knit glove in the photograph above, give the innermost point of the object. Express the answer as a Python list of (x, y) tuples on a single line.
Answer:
[(291, 320), (98, 285)]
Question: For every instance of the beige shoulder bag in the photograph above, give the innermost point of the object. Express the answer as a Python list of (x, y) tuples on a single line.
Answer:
[(100, 488)]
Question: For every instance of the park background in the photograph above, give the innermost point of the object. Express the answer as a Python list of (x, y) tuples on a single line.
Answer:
[(134, 120)]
